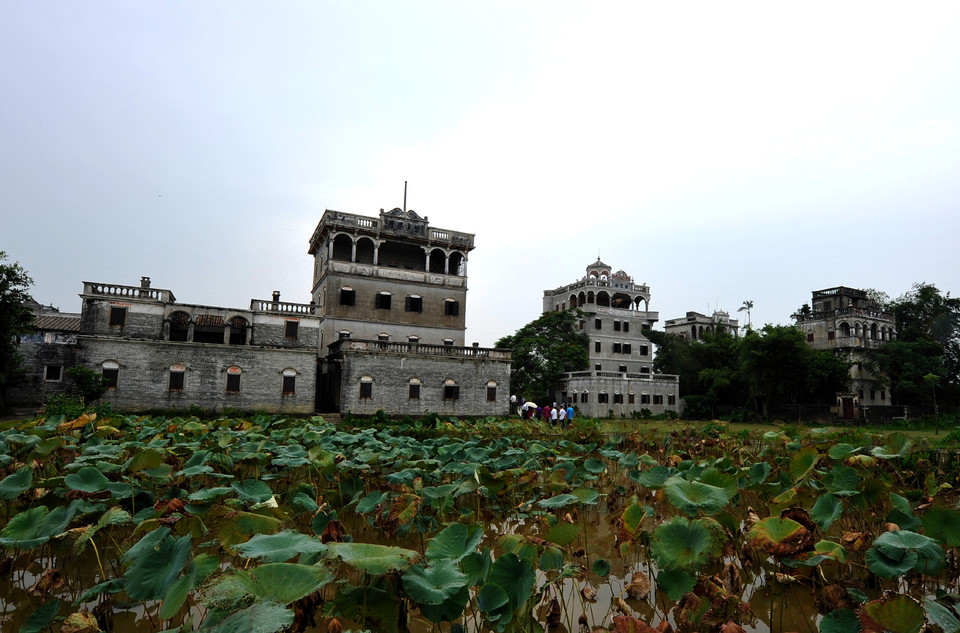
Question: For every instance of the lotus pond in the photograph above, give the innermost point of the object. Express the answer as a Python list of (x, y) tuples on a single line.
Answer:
[(269, 524)]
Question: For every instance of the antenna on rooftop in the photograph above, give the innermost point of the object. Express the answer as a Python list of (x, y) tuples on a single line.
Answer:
[(404, 196)]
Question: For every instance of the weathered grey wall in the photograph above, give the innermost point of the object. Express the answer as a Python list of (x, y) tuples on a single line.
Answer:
[(145, 373), (38, 351), (391, 375)]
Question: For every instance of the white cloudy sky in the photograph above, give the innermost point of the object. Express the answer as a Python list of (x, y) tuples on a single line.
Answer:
[(719, 152)]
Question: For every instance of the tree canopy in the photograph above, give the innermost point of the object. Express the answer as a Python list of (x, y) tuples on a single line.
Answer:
[(543, 350), (15, 319)]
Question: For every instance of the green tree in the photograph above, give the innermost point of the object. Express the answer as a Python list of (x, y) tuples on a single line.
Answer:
[(543, 350), (16, 319)]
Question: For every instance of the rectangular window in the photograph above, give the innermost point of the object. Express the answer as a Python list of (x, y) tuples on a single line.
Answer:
[(383, 338), (118, 316), (873, 394), (491, 394), (810, 337), (366, 390), (233, 383), (644, 398), (631, 398), (596, 324), (596, 347), (883, 394), (644, 370), (53, 373), (658, 399), (348, 296), (602, 398), (585, 398), (618, 398), (574, 399), (290, 329), (617, 347), (451, 392), (176, 381), (626, 326), (671, 400), (451, 308), (414, 392), (413, 303), (616, 326), (289, 385), (627, 348), (597, 367), (831, 335), (644, 350), (110, 378), (622, 369), (383, 301), (413, 339)]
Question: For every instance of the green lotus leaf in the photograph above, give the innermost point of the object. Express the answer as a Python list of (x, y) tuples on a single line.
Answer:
[(900, 614), (494, 602), (370, 502), (629, 460), (113, 516), (280, 547), (840, 621), (897, 544), (675, 583), (586, 496), (283, 582), (803, 462), (34, 527), (238, 527), (558, 501), (454, 542), (681, 543), (14, 485), (715, 477), (779, 537), (155, 564), (563, 533), (834, 550), (692, 497), (841, 451), (551, 559), (888, 567), (601, 568), (434, 584), (759, 473), (515, 575), (943, 525), (208, 494), (260, 617), (843, 481), (476, 566), (41, 617), (594, 465), (942, 616), (87, 479), (897, 446), (655, 477), (826, 510), (144, 460), (904, 521), (252, 490), (448, 610), (372, 558)]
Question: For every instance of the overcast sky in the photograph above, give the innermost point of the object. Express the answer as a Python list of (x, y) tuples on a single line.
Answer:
[(719, 152)]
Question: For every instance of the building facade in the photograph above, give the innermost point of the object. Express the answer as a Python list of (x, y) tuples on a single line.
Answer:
[(695, 325), (620, 380), (849, 323), (391, 293), (47, 353)]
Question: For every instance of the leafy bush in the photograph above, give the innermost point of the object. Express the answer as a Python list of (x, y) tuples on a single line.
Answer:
[(87, 384)]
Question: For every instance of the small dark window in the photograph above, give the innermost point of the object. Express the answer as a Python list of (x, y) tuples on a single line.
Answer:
[(883, 394), (617, 348), (631, 398), (627, 348), (383, 338), (118, 316), (602, 398), (671, 400), (644, 398), (208, 328), (644, 350), (618, 398), (491, 394), (626, 326), (616, 326), (597, 367), (413, 339), (179, 326), (413, 303), (644, 370), (596, 324), (451, 392), (448, 342), (366, 389), (53, 373), (382, 302), (596, 347), (574, 401), (622, 369), (233, 383), (414, 392), (176, 381), (658, 399), (342, 334), (110, 378), (238, 331), (873, 394), (831, 335), (451, 307), (289, 385), (291, 329), (810, 337), (585, 398), (348, 296)]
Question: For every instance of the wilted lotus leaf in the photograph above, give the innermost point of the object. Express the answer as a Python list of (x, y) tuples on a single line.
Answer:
[(628, 624), (900, 614), (781, 538), (80, 622)]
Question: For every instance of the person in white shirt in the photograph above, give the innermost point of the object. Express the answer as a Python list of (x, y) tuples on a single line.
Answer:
[(562, 417)]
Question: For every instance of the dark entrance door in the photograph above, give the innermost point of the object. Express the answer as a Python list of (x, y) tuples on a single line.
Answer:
[(847, 408)]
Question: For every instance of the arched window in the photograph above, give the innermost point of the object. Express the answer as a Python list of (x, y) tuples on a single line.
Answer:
[(451, 390), (844, 329), (365, 250), (289, 381), (176, 381), (491, 391), (873, 331), (366, 387), (233, 379), (457, 262), (180, 326), (110, 371), (438, 261), (413, 389), (342, 248)]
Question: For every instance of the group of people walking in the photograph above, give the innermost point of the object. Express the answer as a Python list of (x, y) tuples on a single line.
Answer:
[(557, 415)]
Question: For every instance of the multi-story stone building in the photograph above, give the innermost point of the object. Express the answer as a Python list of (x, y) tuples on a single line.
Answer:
[(851, 324), (694, 325), (384, 330), (620, 380), (47, 353), (391, 293)]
